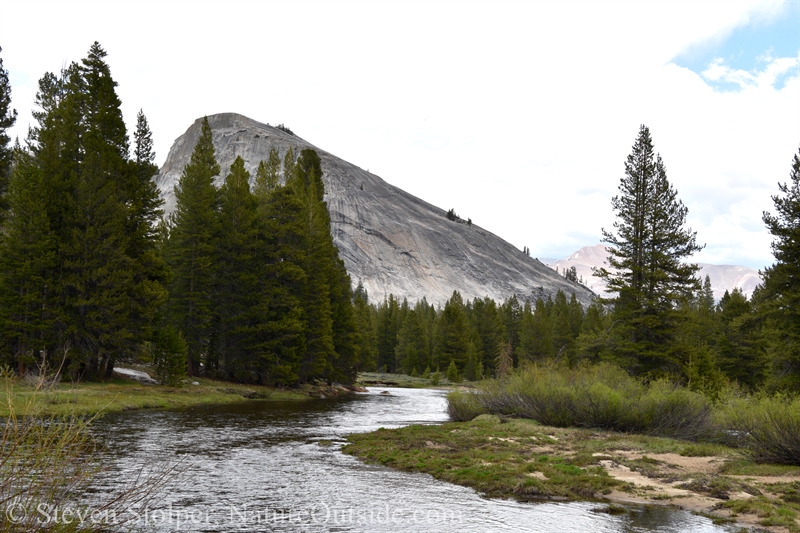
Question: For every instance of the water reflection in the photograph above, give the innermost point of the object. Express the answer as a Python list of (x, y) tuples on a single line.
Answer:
[(277, 466)]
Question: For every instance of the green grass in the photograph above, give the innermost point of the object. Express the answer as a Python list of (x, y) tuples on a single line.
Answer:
[(769, 512), (742, 466), (117, 395), (520, 458), (497, 459)]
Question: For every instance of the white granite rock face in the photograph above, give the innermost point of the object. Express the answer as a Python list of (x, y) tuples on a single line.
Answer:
[(390, 240)]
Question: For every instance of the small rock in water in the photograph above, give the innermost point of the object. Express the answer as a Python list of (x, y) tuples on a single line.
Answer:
[(386, 392)]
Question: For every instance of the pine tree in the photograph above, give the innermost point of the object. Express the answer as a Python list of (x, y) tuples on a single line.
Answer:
[(388, 327), (527, 336), (268, 174), (738, 354), (27, 263), (563, 337), (8, 117), (144, 219), (453, 375), (488, 323), (345, 337), (453, 333), (104, 283), (306, 179), (511, 313), (365, 328), (778, 298), (170, 355), (288, 166), (410, 350), (236, 274), (504, 363), (83, 153), (280, 329), (647, 249), (191, 249)]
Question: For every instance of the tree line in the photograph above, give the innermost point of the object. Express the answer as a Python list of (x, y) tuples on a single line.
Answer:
[(245, 282), (238, 283), (660, 319)]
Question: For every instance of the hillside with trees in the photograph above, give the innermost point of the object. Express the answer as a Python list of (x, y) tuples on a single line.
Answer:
[(237, 284)]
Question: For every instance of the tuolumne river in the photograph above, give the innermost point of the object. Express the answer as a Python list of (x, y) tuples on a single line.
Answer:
[(278, 466)]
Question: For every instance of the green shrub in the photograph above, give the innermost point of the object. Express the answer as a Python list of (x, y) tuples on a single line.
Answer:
[(768, 427), (170, 356), (601, 396), (671, 411), (463, 406), (452, 373)]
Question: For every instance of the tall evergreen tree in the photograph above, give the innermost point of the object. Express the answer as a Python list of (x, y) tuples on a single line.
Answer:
[(452, 334), (648, 276), (288, 166), (511, 312), (8, 117), (778, 298), (237, 273), (491, 331), (365, 328), (97, 272), (563, 336), (388, 326), (191, 249), (103, 287), (306, 179), (268, 174), (736, 344), (144, 219), (411, 347), (27, 264), (280, 331)]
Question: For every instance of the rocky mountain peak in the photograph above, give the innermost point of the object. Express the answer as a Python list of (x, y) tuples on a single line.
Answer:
[(391, 241)]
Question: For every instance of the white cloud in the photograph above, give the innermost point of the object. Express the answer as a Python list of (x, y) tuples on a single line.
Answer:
[(505, 111), (766, 77)]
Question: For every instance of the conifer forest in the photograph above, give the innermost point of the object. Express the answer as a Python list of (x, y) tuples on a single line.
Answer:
[(243, 282)]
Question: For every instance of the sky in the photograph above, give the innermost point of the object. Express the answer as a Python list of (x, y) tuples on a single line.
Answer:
[(518, 115)]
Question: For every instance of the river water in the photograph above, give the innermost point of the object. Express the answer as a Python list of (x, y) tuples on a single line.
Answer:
[(277, 466)]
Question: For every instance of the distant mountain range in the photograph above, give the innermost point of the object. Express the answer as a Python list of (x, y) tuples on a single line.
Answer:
[(723, 277), (389, 240)]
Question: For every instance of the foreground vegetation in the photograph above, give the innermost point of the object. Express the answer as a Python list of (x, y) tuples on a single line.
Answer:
[(521, 459), (240, 283), (48, 465), (117, 394), (767, 428), (594, 432)]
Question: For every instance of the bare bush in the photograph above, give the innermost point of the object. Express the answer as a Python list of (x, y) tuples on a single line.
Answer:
[(48, 466)]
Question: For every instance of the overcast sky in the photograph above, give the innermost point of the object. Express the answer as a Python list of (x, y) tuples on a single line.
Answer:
[(518, 115)]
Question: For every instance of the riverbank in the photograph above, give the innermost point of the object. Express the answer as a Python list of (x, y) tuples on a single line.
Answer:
[(119, 394), (404, 381), (521, 459)]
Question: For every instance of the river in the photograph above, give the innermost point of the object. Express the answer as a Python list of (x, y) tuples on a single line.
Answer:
[(277, 466)]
